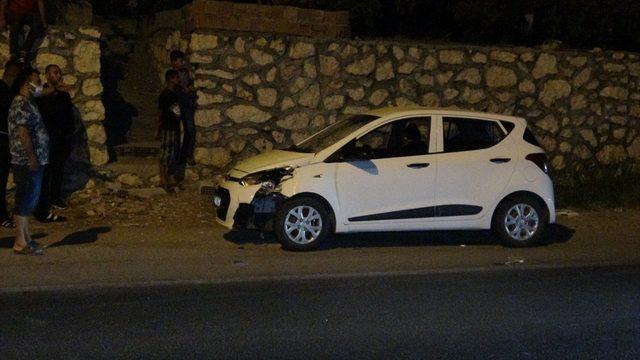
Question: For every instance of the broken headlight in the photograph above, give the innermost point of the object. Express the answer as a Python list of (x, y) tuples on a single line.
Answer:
[(268, 180)]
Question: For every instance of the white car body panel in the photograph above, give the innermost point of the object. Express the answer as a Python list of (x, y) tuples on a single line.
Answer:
[(352, 189), (470, 178), (270, 160)]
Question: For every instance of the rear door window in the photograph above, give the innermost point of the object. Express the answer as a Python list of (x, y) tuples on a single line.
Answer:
[(464, 134)]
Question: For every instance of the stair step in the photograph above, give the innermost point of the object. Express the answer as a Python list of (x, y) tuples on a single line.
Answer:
[(138, 149), (143, 168)]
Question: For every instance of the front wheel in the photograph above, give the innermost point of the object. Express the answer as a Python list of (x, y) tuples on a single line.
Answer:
[(520, 221), (301, 224)]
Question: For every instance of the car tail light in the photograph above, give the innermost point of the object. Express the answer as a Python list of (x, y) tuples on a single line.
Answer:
[(539, 159)]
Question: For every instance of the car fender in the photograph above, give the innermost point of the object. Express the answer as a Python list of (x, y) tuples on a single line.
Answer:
[(317, 179), (542, 189)]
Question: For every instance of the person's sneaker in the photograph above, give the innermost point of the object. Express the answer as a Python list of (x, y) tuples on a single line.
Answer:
[(52, 217), (59, 204)]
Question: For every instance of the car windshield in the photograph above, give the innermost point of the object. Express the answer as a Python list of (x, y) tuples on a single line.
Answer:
[(332, 134)]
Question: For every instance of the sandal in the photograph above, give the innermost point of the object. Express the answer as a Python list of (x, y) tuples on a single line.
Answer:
[(30, 249), (8, 224)]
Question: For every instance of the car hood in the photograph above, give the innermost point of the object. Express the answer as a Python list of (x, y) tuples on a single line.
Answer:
[(270, 160)]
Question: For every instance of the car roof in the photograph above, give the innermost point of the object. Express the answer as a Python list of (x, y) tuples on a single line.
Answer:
[(409, 110)]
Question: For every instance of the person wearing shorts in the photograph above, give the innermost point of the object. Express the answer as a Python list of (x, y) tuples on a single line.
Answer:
[(29, 147), (18, 14), (169, 131)]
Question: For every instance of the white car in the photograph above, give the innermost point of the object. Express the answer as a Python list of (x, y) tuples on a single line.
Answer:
[(396, 169)]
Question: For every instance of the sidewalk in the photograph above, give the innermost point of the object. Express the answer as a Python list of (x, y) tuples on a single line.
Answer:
[(118, 241)]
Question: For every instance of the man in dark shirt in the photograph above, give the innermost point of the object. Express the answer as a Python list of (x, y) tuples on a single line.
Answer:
[(169, 129), (57, 113), (11, 70)]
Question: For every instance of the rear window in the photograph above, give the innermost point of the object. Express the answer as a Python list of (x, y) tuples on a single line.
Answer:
[(530, 138), (509, 126)]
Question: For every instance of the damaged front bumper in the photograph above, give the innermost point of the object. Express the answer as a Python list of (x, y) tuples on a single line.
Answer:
[(245, 207)]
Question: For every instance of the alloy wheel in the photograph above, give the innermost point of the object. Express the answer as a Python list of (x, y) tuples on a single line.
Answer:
[(521, 222), (303, 224)]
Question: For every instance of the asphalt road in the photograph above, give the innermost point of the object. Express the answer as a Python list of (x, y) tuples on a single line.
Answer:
[(97, 254), (501, 314)]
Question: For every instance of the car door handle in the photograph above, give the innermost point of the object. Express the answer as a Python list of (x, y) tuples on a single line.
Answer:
[(418, 165), (500, 160)]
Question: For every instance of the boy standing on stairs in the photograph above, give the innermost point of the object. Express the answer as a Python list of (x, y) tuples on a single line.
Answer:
[(169, 130), (187, 96)]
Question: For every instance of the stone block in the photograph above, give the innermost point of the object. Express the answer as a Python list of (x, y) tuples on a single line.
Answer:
[(218, 157), (92, 87), (201, 42), (453, 57), (98, 155), (329, 65), (301, 50), (498, 76), (546, 65), (45, 59), (86, 57), (208, 118), (470, 75), (554, 90), (378, 97), (384, 70), (247, 113), (267, 96), (92, 110), (261, 57), (364, 66), (96, 134), (333, 102), (295, 121)]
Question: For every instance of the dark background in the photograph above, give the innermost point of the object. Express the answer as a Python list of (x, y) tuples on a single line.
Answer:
[(609, 24)]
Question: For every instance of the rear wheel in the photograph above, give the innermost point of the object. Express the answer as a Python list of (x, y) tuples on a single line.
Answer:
[(520, 221), (301, 224)]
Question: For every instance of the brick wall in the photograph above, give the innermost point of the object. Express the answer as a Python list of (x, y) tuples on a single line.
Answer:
[(221, 15)]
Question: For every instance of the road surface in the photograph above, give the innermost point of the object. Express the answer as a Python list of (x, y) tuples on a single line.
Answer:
[(499, 314)]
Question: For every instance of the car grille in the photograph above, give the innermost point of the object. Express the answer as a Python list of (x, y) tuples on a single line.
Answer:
[(224, 204)]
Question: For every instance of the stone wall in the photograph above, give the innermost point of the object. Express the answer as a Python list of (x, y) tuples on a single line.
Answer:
[(257, 92), (77, 52)]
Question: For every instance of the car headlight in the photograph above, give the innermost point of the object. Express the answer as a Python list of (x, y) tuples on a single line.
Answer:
[(268, 180), (252, 179)]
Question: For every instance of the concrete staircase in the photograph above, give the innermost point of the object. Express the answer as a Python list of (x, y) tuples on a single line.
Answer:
[(136, 162)]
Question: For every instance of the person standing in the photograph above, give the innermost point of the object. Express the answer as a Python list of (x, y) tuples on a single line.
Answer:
[(187, 96), (169, 130), (57, 113), (11, 70), (17, 14), (29, 144)]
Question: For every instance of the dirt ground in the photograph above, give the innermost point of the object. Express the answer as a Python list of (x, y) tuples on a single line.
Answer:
[(113, 239)]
